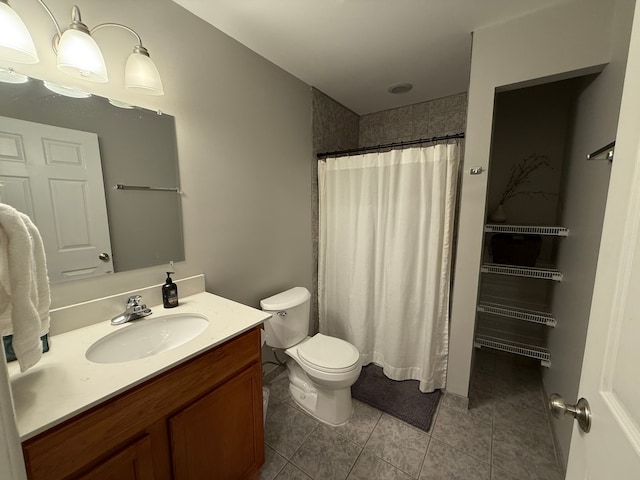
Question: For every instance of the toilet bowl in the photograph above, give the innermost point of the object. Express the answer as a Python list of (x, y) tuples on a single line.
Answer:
[(321, 369)]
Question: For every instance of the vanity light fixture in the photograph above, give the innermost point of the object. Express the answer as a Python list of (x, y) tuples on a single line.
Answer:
[(77, 52)]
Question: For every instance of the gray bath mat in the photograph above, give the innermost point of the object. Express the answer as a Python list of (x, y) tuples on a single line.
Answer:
[(402, 400)]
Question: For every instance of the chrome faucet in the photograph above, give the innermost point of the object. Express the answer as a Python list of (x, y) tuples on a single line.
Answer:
[(134, 310)]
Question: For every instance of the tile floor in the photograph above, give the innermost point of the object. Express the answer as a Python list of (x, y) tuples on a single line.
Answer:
[(505, 434)]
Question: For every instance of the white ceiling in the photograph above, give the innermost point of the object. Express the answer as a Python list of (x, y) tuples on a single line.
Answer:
[(353, 50)]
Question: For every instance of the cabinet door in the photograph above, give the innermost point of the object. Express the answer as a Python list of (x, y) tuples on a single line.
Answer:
[(132, 463), (221, 436)]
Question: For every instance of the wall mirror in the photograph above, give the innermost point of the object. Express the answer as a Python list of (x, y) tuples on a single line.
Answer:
[(61, 158)]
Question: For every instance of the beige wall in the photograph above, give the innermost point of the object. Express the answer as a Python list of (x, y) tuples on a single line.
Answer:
[(585, 193), (547, 43), (244, 145)]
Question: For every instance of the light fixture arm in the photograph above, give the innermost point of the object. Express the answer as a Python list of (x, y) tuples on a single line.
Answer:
[(139, 48), (77, 24), (53, 19)]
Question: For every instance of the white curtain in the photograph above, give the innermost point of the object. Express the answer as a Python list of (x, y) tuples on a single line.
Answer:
[(386, 225)]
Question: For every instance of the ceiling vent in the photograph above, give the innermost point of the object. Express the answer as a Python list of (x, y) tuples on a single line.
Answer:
[(399, 88)]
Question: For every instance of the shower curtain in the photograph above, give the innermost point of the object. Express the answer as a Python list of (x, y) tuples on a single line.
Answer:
[(386, 225)]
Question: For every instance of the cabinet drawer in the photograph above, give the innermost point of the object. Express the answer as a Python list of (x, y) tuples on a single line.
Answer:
[(134, 462)]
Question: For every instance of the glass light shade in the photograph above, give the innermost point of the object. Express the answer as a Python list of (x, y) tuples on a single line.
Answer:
[(66, 91), (80, 56), (8, 75), (141, 75), (16, 44), (119, 104)]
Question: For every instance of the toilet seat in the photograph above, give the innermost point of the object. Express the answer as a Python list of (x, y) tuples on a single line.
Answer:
[(328, 354)]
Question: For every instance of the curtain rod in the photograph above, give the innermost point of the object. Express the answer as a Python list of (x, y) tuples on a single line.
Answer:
[(353, 151)]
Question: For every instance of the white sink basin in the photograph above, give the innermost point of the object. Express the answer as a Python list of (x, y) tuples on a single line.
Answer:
[(147, 336)]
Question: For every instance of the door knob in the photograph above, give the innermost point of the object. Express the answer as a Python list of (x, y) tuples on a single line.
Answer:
[(580, 411), (104, 257)]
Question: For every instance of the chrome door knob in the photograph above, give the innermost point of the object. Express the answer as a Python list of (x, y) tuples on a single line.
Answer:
[(104, 257), (580, 411)]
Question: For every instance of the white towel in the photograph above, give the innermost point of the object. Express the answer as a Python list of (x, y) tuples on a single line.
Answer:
[(40, 274), (24, 286)]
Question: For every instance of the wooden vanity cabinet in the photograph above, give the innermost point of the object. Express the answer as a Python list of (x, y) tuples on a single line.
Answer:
[(200, 420)]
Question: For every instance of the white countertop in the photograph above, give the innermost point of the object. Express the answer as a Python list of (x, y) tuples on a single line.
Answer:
[(64, 383)]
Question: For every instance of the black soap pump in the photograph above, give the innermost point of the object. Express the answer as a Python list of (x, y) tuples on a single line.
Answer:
[(169, 293)]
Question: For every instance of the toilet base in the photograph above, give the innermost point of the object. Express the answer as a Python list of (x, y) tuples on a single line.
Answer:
[(331, 406)]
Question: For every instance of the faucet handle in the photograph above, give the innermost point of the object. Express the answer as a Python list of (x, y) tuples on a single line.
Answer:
[(134, 310), (134, 301)]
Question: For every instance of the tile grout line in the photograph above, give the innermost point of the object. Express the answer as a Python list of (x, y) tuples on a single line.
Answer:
[(303, 440), (354, 443), (302, 443), (385, 461), (467, 453), (311, 433), (493, 420), (432, 428), (493, 424), (424, 458), (354, 463), (281, 469)]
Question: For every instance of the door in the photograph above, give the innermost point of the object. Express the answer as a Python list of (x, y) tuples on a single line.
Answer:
[(54, 175), (610, 378)]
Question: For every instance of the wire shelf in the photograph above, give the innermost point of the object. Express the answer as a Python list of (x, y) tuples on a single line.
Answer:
[(517, 271), (507, 311), (518, 348), (527, 230)]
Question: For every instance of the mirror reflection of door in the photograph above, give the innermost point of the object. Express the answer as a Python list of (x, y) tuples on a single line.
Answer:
[(54, 175)]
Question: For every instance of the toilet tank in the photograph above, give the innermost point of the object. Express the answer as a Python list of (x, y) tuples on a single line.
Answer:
[(289, 322)]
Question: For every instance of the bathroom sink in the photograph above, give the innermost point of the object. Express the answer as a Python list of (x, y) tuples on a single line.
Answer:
[(147, 337)]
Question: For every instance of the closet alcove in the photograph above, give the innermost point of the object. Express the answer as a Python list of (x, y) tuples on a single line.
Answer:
[(525, 302)]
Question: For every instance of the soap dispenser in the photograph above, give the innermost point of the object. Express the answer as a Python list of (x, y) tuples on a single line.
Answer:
[(169, 293)]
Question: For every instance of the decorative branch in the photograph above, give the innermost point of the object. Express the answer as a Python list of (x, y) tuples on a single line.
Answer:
[(520, 173)]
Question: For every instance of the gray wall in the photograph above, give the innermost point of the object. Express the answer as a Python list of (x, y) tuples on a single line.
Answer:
[(584, 200), (335, 127), (530, 121), (441, 116), (244, 144)]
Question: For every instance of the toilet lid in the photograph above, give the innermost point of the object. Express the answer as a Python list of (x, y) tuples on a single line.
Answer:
[(328, 354)]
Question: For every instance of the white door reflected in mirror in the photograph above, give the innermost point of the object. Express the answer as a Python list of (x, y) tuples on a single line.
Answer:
[(54, 175)]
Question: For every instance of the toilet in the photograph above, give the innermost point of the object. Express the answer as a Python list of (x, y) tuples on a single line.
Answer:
[(321, 368)]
